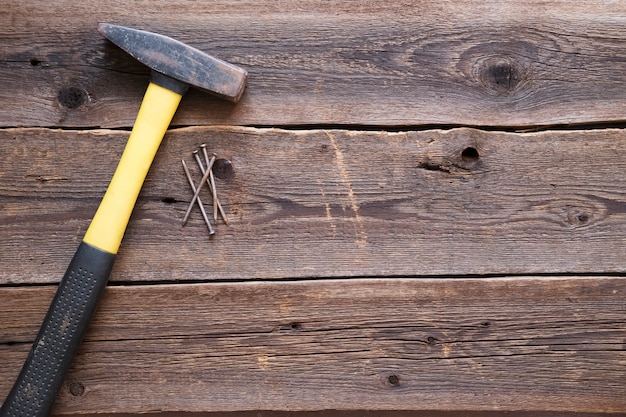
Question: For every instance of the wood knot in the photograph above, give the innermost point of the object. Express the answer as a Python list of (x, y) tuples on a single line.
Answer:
[(457, 152), (498, 68), (223, 169), (577, 216), (72, 97), (76, 388), (393, 380), (501, 75)]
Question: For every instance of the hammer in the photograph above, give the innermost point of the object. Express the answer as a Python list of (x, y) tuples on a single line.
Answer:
[(175, 66)]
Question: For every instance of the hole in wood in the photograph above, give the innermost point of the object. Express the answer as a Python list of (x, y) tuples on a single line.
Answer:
[(432, 340), (470, 154), (394, 380), (35, 62), (168, 200), (293, 326)]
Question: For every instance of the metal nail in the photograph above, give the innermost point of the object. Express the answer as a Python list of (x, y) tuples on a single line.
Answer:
[(200, 163), (197, 191), (212, 187), (196, 198), (216, 201), (211, 182)]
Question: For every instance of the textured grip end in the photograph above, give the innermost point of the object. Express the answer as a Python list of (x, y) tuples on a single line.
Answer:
[(67, 320)]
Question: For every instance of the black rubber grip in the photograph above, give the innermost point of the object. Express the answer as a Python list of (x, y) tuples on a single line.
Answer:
[(60, 334)]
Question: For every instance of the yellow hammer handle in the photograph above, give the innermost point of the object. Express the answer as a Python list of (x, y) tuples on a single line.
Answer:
[(109, 223)]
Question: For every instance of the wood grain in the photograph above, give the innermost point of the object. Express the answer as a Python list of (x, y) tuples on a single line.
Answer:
[(535, 344), (300, 305), (325, 203), (464, 62)]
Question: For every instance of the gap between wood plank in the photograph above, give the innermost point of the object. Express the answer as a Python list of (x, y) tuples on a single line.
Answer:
[(482, 277), (600, 125)]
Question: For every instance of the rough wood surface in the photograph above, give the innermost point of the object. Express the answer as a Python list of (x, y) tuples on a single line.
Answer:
[(536, 344), (396, 62), (326, 203), (249, 320)]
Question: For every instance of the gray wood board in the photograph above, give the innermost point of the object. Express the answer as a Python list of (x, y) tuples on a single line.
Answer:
[(320, 203), (466, 62), (536, 344)]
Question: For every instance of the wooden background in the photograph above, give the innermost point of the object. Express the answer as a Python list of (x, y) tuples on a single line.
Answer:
[(426, 199)]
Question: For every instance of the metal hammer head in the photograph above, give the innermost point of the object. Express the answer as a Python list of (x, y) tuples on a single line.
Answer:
[(181, 62)]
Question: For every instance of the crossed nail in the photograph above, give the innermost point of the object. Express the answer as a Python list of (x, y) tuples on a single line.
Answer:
[(209, 179)]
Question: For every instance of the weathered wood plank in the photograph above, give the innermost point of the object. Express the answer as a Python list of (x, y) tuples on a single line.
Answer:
[(326, 203), (465, 62), (534, 344)]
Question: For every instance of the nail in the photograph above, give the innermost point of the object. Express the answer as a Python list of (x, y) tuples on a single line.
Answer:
[(197, 192), (193, 188), (200, 164), (203, 170), (211, 182), (216, 201), (212, 187)]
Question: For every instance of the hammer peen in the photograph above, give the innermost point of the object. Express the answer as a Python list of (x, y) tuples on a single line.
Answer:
[(175, 66)]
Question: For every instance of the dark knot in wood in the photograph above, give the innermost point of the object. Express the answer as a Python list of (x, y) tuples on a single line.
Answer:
[(72, 97), (577, 216), (76, 388), (501, 75), (393, 380), (498, 68), (223, 169)]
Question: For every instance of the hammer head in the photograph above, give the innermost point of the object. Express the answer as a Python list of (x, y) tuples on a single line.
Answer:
[(176, 60)]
